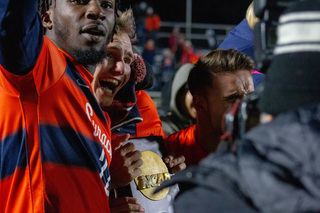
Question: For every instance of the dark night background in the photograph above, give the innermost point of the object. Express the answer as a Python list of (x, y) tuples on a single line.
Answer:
[(204, 11)]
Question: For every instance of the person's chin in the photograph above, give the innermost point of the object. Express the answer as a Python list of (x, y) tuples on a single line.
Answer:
[(89, 55), (105, 103), (104, 99), (96, 47), (90, 43)]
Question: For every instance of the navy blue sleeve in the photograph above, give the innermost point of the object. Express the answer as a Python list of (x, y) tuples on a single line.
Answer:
[(21, 35)]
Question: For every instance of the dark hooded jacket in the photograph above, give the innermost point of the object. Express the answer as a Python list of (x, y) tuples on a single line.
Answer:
[(275, 168), (176, 121)]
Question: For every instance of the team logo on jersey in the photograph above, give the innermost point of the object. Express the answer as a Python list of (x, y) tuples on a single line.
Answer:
[(97, 130), (105, 142)]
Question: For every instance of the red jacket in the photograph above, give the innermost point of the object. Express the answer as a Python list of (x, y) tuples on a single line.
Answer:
[(151, 123), (152, 22)]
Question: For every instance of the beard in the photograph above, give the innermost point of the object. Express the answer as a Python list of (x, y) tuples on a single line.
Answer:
[(88, 57), (85, 57), (92, 56)]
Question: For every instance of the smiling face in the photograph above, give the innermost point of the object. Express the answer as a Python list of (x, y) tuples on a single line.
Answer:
[(114, 72), (82, 28)]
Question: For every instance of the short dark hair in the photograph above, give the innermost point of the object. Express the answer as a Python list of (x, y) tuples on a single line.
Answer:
[(217, 61), (44, 5)]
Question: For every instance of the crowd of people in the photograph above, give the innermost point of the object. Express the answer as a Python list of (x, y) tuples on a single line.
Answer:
[(80, 133)]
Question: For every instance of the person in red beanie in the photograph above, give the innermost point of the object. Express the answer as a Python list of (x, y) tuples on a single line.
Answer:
[(109, 77), (114, 86)]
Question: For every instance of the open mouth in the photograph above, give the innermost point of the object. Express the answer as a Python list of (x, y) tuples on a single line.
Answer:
[(109, 85)]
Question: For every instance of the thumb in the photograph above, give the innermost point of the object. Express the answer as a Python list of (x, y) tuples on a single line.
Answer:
[(168, 158), (119, 140)]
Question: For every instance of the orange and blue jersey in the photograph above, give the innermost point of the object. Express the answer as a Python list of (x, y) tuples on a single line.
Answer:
[(142, 120), (55, 142), (151, 124), (184, 143)]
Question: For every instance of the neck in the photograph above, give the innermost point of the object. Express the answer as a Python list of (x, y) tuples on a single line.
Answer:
[(91, 68), (207, 139)]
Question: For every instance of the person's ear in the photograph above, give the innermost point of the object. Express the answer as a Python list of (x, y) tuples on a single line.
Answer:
[(47, 19), (198, 102)]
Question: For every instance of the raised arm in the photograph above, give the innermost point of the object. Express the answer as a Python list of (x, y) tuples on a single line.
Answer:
[(21, 35)]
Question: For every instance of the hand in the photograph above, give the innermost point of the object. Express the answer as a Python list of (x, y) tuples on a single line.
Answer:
[(175, 164), (125, 205), (125, 162)]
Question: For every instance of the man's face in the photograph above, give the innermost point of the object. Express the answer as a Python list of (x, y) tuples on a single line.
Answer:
[(82, 28), (114, 71), (226, 89)]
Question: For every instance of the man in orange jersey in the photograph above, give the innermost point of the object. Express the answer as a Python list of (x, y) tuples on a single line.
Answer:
[(54, 138), (126, 159), (217, 80)]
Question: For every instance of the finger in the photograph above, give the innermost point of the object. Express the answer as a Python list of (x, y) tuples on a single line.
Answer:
[(125, 204), (122, 200), (127, 148), (119, 140), (133, 156), (136, 172), (178, 160), (136, 208), (168, 158), (137, 163), (127, 208), (178, 168)]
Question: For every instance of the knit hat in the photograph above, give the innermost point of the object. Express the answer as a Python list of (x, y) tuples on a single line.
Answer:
[(138, 69), (293, 78)]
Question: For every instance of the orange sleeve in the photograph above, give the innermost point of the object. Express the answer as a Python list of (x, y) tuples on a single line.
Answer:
[(184, 143), (151, 124), (176, 142)]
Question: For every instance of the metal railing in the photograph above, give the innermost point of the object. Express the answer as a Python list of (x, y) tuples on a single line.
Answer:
[(197, 30)]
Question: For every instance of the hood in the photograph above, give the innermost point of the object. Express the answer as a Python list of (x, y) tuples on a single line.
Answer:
[(179, 80)]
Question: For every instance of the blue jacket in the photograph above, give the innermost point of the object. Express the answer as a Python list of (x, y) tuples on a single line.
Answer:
[(242, 38)]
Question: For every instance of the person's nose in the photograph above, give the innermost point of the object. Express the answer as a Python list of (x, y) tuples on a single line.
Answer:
[(95, 11), (118, 68)]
